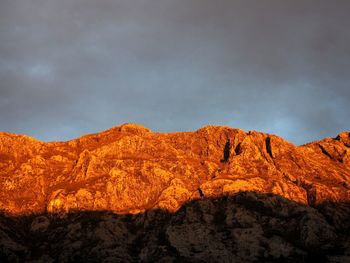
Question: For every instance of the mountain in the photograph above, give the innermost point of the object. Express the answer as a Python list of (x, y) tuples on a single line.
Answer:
[(217, 194)]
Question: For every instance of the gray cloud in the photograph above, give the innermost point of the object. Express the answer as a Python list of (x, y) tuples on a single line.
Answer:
[(74, 67)]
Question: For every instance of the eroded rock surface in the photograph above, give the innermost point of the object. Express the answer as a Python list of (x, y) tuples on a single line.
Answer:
[(130, 170)]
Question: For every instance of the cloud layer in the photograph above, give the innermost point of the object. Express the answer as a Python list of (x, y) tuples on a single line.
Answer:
[(74, 67)]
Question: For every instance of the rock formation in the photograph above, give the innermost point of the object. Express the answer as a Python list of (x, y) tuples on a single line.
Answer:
[(217, 194)]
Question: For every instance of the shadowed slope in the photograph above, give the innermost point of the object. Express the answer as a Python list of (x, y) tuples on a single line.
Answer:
[(245, 227)]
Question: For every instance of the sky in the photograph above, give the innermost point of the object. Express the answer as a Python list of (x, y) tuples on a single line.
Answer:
[(71, 67)]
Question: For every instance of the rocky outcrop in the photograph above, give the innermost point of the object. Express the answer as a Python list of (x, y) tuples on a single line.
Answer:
[(245, 227), (130, 170)]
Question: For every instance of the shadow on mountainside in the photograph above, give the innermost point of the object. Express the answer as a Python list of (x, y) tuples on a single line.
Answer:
[(245, 227)]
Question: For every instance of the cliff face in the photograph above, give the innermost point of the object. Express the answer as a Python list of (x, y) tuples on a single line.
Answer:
[(129, 169), (214, 195)]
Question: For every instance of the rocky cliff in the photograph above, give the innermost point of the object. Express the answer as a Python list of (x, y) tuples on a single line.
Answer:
[(251, 195)]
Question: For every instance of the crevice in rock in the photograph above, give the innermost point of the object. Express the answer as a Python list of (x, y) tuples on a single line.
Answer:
[(310, 192), (238, 149), (201, 194), (268, 146), (341, 156), (311, 196), (227, 151), (337, 156), (345, 185), (324, 151)]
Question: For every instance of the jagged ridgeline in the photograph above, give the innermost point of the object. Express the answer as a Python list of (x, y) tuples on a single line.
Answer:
[(128, 171)]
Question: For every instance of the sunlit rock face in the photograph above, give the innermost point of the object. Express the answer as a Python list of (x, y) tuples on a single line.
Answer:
[(217, 194), (129, 169)]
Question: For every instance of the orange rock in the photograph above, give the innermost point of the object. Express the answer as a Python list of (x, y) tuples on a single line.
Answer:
[(129, 169)]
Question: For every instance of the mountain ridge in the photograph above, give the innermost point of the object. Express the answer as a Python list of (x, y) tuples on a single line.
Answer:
[(129, 169), (217, 194), (125, 126)]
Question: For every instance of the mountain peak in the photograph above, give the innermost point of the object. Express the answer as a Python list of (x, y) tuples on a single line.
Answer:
[(133, 128)]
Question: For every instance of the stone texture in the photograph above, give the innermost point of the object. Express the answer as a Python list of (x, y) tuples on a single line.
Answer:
[(130, 170), (245, 227)]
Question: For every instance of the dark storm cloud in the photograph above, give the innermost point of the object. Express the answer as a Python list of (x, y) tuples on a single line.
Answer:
[(72, 67)]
